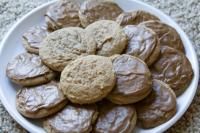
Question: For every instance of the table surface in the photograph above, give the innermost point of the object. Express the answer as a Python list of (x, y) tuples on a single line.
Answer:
[(185, 12)]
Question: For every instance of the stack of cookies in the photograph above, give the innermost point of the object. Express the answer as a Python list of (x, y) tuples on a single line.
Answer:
[(93, 67)]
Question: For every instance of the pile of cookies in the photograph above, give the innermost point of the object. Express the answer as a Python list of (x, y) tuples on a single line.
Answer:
[(93, 66)]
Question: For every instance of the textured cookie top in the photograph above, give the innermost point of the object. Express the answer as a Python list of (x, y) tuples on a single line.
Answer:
[(65, 45), (88, 79)]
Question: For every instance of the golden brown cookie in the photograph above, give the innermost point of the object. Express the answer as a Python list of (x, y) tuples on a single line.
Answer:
[(63, 13), (109, 36), (88, 79), (143, 43), (28, 70), (158, 107), (133, 80), (65, 45), (167, 35), (115, 118), (94, 10), (40, 101), (173, 68), (72, 119), (135, 17)]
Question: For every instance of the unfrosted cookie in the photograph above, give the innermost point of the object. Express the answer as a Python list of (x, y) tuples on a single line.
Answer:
[(143, 43), (167, 35), (88, 79), (32, 39), (135, 17), (173, 68), (158, 107), (94, 10), (28, 70), (40, 101), (72, 119), (65, 45), (133, 80), (109, 36), (63, 13)]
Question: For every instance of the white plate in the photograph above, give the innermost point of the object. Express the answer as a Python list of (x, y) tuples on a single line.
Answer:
[(12, 46)]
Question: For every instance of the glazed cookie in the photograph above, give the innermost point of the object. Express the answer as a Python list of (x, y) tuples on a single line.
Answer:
[(173, 68), (72, 119), (40, 101), (65, 45), (143, 43), (28, 70), (109, 36), (94, 10), (115, 119), (33, 37), (133, 80), (134, 17), (86, 80), (63, 13), (167, 35), (158, 107)]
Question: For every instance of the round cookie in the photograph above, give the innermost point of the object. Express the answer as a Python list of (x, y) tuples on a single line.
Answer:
[(40, 101), (143, 43), (135, 17), (94, 10), (158, 107), (115, 119), (72, 119), (63, 13), (173, 68), (86, 80), (65, 45), (33, 38), (28, 70), (167, 35), (109, 36), (133, 80)]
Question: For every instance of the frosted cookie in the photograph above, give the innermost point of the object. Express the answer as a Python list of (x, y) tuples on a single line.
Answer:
[(28, 70), (133, 80), (167, 35), (63, 13), (72, 119), (158, 107), (33, 38), (94, 10), (65, 45), (109, 36), (88, 79), (115, 119), (143, 43), (40, 101), (135, 17), (173, 68)]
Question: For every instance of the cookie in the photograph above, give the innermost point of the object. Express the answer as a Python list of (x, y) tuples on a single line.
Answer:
[(63, 13), (167, 35), (173, 68), (40, 101), (133, 80), (72, 119), (158, 107), (115, 119), (32, 39), (88, 79), (94, 10), (109, 36), (28, 70), (65, 45), (143, 43), (135, 17)]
